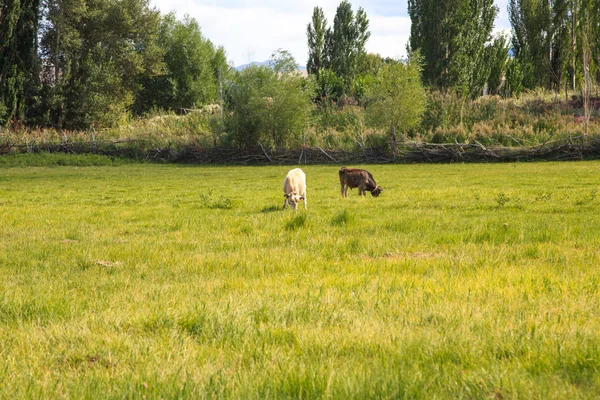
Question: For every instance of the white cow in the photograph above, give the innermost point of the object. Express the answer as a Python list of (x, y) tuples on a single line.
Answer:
[(294, 188)]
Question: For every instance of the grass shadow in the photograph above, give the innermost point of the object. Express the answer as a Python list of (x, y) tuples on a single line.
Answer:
[(269, 209), (296, 223), (342, 219)]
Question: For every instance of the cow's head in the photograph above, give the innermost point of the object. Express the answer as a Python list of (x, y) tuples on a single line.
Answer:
[(293, 199), (377, 191)]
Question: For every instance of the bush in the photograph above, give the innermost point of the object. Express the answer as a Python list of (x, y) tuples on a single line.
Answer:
[(267, 107)]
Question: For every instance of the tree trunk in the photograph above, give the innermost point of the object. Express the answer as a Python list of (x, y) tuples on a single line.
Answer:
[(573, 45), (586, 89), (393, 141), (61, 108), (552, 74)]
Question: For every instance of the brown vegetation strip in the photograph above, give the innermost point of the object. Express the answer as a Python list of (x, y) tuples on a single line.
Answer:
[(579, 148)]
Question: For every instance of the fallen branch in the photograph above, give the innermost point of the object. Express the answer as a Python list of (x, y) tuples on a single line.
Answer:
[(263, 149), (324, 152)]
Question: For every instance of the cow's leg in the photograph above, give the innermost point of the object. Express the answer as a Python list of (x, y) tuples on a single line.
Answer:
[(344, 190), (285, 203)]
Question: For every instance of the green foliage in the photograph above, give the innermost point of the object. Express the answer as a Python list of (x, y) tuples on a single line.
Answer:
[(532, 39), (515, 77), (497, 56), (469, 64), (94, 55), (337, 55), (208, 201), (337, 128), (193, 71), (19, 65), (242, 122), (362, 85), (315, 32), (283, 63), (533, 118), (106, 59), (284, 118), (164, 132), (552, 37), (268, 105), (397, 98), (329, 87), (346, 42), (442, 111), (502, 199), (451, 37)]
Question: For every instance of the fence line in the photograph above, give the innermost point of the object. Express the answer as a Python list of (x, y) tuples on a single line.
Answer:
[(579, 148)]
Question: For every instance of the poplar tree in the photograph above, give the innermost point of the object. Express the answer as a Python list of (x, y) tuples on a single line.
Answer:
[(19, 61), (430, 34), (549, 36), (451, 36), (469, 66), (315, 31), (533, 33), (347, 40), (339, 49), (497, 55)]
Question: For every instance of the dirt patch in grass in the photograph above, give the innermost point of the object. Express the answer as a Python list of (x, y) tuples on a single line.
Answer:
[(403, 255)]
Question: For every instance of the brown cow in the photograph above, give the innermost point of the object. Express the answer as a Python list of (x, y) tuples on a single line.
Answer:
[(358, 178)]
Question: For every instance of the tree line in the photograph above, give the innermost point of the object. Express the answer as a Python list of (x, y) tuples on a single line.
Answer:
[(554, 44), (79, 64)]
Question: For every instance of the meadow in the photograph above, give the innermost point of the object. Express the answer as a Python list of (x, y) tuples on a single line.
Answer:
[(175, 281)]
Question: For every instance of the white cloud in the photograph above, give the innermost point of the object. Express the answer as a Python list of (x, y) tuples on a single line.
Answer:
[(389, 35), (251, 30), (502, 22)]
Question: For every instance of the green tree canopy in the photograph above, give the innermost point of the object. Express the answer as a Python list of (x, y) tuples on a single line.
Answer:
[(451, 36), (397, 98), (268, 105), (549, 39), (19, 62), (315, 31), (497, 56), (339, 49), (193, 70), (94, 55)]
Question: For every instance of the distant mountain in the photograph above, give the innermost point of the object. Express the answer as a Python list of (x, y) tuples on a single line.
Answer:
[(261, 64), (256, 63)]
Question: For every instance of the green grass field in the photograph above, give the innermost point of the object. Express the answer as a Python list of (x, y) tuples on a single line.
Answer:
[(166, 281)]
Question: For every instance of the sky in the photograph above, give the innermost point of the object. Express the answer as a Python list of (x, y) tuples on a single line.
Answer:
[(250, 30)]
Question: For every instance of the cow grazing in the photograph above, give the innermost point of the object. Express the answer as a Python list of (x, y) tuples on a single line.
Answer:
[(294, 188), (358, 178)]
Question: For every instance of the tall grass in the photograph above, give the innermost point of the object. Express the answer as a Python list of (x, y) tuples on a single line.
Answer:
[(532, 119), (126, 282)]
